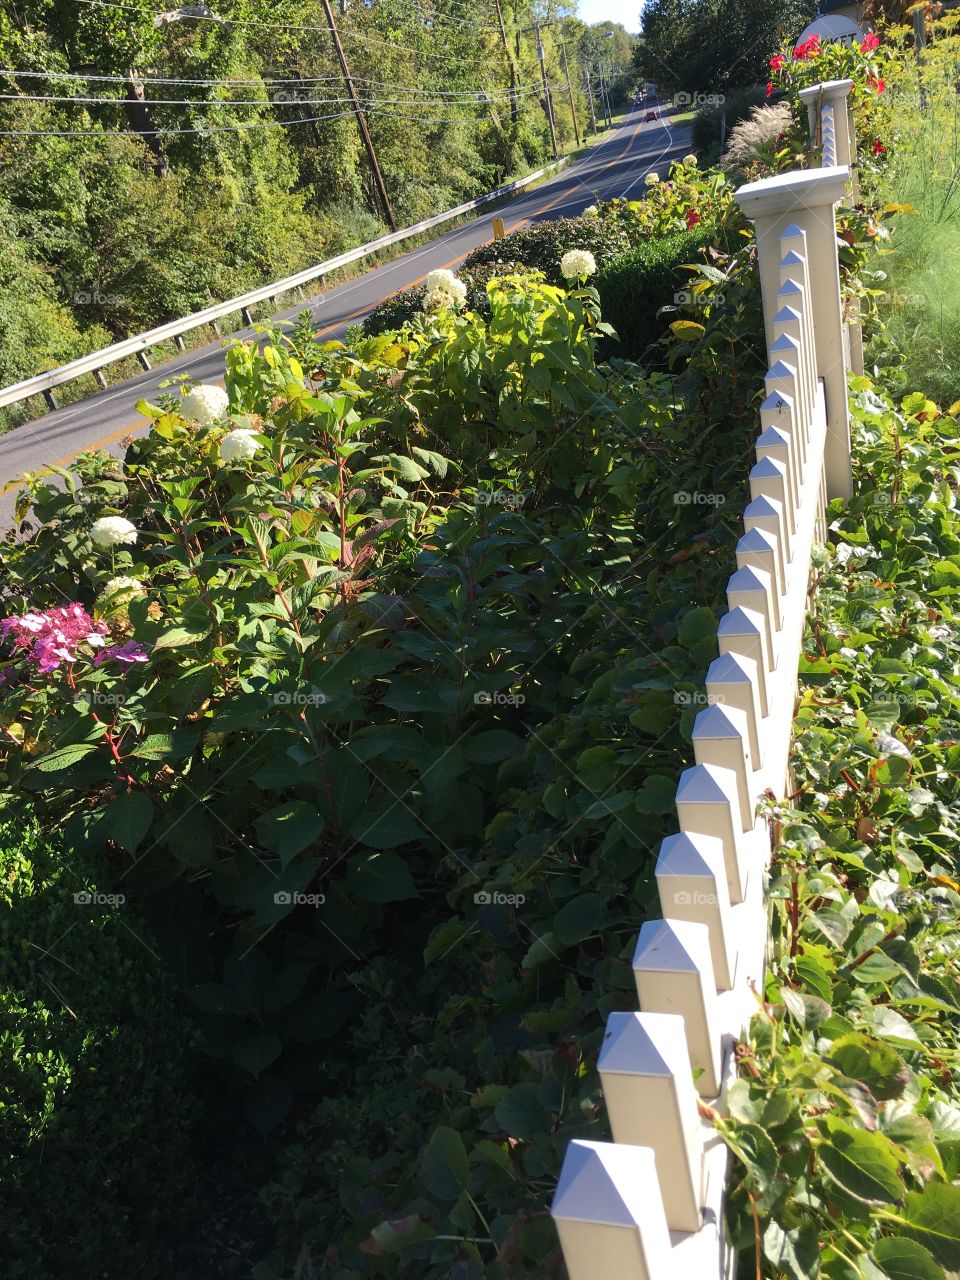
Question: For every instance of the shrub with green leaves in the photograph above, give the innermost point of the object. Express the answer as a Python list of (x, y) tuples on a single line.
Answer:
[(95, 1113), (846, 1116)]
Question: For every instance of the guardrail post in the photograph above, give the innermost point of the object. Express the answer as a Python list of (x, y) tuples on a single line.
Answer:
[(649, 1095), (144, 360), (609, 1213), (808, 201)]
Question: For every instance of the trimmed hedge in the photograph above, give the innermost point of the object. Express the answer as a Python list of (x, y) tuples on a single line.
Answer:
[(636, 286), (634, 282), (94, 1165)]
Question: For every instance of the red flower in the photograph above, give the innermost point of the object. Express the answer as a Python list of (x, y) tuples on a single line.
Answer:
[(877, 85), (870, 43), (777, 61), (809, 49), (878, 148), (692, 219), (769, 88)]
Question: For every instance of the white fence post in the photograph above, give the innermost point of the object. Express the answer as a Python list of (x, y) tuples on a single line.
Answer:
[(808, 201), (692, 885), (708, 804), (648, 1090), (609, 1213), (674, 974)]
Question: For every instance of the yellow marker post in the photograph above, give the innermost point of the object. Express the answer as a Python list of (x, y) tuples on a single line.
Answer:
[(498, 229)]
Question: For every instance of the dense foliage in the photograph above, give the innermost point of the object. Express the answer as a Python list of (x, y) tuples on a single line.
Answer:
[(715, 46), (208, 156), (382, 662), (95, 1110), (847, 1112)]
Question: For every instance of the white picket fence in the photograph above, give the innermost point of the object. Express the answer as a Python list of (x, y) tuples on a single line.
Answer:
[(649, 1205)]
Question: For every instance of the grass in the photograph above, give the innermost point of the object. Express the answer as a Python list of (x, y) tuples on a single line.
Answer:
[(920, 345)]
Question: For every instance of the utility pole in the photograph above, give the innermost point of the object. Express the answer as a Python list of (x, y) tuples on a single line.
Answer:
[(573, 105), (589, 88), (514, 104), (548, 100), (361, 120)]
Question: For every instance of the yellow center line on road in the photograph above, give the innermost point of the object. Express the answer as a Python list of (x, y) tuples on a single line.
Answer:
[(125, 431)]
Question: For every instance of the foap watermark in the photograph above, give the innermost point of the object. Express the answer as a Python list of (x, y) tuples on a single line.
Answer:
[(506, 498), (288, 898), (102, 698), (684, 99), (697, 698), (486, 898), (698, 498), (694, 898), (313, 698), (498, 699), (86, 898), (94, 298), (691, 298)]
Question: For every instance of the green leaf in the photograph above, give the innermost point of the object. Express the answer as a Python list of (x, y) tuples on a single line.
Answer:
[(521, 1114), (810, 1011), (657, 795), (254, 1053), (492, 746), (267, 1102), (863, 1164), (63, 757), (397, 1234), (876, 1064), (755, 1150), (179, 637), (380, 878), (934, 1217), (444, 1167), (903, 1259), (697, 625), (577, 919), (168, 746), (288, 829), (391, 827), (795, 1251), (127, 819)]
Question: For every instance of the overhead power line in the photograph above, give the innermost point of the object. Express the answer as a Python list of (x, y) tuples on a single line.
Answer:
[(279, 26)]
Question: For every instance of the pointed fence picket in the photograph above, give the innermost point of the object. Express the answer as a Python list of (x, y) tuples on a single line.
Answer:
[(649, 1205)]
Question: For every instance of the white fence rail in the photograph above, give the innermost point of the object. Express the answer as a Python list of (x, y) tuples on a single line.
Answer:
[(45, 383), (649, 1205)]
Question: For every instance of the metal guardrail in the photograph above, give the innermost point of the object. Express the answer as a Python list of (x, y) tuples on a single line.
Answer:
[(44, 383)]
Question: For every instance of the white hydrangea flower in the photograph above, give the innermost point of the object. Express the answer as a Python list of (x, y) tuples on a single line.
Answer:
[(113, 531), (236, 446), (458, 291), (651, 179), (440, 279), (690, 160), (438, 300), (577, 264), (591, 212), (204, 404)]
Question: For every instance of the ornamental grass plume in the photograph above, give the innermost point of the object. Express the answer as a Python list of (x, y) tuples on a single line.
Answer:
[(113, 531), (204, 404), (753, 137), (577, 264)]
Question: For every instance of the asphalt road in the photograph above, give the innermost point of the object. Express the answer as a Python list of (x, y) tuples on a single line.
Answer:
[(614, 167)]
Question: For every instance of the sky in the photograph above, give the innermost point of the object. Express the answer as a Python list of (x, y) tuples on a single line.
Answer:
[(625, 11)]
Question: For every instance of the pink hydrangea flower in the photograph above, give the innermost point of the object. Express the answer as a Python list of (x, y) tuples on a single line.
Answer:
[(127, 653), (52, 636)]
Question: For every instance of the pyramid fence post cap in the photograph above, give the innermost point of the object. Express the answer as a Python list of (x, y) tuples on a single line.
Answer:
[(748, 579), (672, 946), (706, 784), (757, 541), (605, 1182), (793, 232), (762, 507), (781, 370), (786, 314), (740, 622), (766, 468), (644, 1044), (687, 855), (792, 259), (772, 438), (731, 668), (720, 722), (776, 402)]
